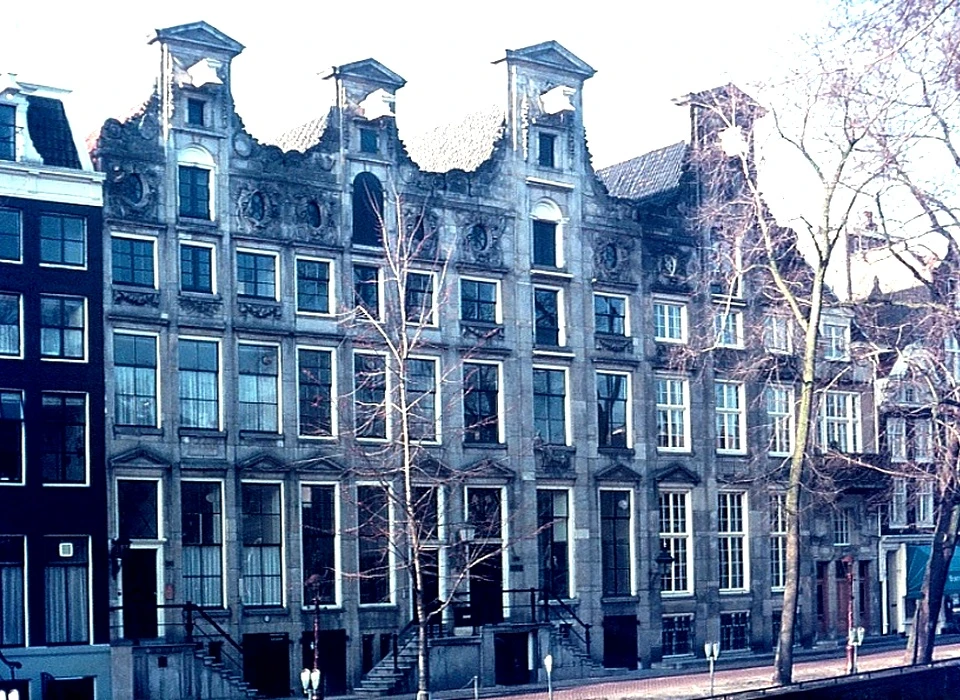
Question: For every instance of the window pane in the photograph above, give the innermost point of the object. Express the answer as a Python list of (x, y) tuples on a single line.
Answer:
[(62, 240), (258, 387), (196, 269), (10, 246), (202, 542), (135, 364), (64, 455), (137, 510), (11, 436), (10, 324), (313, 286), (199, 375), (261, 533), (315, 385), (318, 518), (132, 261), (194, 191)]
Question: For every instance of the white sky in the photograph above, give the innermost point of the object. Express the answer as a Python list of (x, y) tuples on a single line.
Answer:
[(645, 53)]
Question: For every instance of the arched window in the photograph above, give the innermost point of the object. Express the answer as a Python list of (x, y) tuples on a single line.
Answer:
[(195, 168), (367, 210), (547, 242)]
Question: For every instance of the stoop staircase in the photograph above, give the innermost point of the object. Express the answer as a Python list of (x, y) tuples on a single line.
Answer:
[(213, 679), (394, 671)]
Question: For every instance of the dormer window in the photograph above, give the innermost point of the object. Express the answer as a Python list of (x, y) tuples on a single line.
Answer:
[(367, 210), (195, 112), (836, 341), (8, 132), (369, 141), (195, 183), (546, 151), (547, 241)]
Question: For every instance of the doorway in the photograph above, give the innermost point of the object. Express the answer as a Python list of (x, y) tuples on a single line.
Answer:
[(331, 659), (511, 658), (486, 585), (266, 663), (139, 587), (620, 641)]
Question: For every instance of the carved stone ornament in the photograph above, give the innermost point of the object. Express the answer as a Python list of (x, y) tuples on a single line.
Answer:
[(481, 332), (252, 309), (132, 193), (315, 216), (124, 296), (556, 458), (613, 343), (480, 236), (612, 259), (200, 307), (257, 207), (422, 225), (242, 144)]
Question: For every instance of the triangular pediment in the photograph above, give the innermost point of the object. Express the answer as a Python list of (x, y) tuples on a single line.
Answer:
[(550, 54), (262, 463), (139, 457), (489, 469), (371, 71), (199, 34), (677, 474), (618, 472), (319, 464), (429, 468)]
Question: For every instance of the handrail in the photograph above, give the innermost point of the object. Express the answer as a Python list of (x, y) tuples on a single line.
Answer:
[(12, 665), (190, 608), (549, 598)]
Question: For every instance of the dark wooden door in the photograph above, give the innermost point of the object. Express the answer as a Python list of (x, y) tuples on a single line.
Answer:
[(266, 663), (139, 586), (486, 587), (511, 662), (620, 641)]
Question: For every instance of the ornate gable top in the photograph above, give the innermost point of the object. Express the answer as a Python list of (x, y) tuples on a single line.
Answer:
[(552, 55), (199, 34), (371, 71)]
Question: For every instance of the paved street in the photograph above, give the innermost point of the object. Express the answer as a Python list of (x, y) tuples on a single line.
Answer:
[(696, 684)]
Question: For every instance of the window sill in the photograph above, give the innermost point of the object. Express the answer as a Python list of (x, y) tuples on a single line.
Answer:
[(202, 432), (196, 221), (612, 451), (484, 445), (259, 436), (261, 611), (136, 430), (559, 273)]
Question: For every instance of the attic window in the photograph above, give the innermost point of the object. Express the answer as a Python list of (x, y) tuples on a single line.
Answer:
[(546, 145), (195, 109), (8, 131), (369, 143)]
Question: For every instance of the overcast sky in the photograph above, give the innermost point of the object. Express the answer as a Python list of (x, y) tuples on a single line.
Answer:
[(645, 53)]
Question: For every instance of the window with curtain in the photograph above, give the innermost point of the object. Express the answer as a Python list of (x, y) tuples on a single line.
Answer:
[(66, 596), (259, 387), (11, 592), (135, 368), (261, 530), (202, 528), (10, 324), (62, 322), (199, 372)]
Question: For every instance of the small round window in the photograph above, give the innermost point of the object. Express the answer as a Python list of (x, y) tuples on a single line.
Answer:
[(131, 188), (314, 218), (478, 237)]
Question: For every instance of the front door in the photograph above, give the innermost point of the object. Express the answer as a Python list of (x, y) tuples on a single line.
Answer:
[(844, 601), (266, 663), (511, 658), (139, 588), (620, 641), (486, 586)]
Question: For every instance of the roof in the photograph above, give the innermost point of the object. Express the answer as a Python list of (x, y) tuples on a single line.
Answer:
[(50, 132), (301, 138), (652, 173), (464, 145)]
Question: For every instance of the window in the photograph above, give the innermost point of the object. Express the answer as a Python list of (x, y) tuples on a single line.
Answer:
[(135, 367), (64, 438), (261, 526), (553, 539), (10, 235), (780, 414), (613, 414), (732, 540), (731, 416), (675, 534), (199, 373), (422, 415), (909, 440), (418, 303), (370, 396), (550, 405), (11, 436), (10, 324), (202, 527), (137, 509), (912, 502), (373, 520), (841, 526), (925, 502), (479, 301), (615, 546), (836, 341), (669, 322), (315, 390), (62, 324), (194, 191), (676, 635), (545, 244), (314, 289), (548, 317), (897, 438), (63, 240), (12, 623), (8, 132), (778, 333), (729, 328), (318, 515), (195, 109), (840, 421), (481, 402), (734, 631), (546, 146), (951, 352), (257, 275), (259, 387), (673, 415), (196, 269), (66, 590), (610, 314), (367, 210), (778, 541), (133, 261), (369, 141), (366, 291)]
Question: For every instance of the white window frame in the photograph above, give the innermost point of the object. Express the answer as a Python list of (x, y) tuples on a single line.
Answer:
[(628, 381), (498, 309), (778, 334), (836, 340), (387, 396), (778, 541), (213, 266), (337, 543), (391, 550), (669, 408), (561, 315), (161, 536), (626, 311), (334, 404), (897, 438), (898, 502), (437, 413), (670, 321), (276, 272), (19, 259), (89, 567), (279, 381), (86, 438), (925, 502), (566, 400), (431, 319), (733, 438), (196, 157), (951, 353), (780, 402), (359, 312), (283, 540), (672, 495), (23, 439), (743, 535), (223, 538), (331, 281), (220, 394), (153, 249), (631, 536), (501, 413), (157, 383), (728, 324), (842, 521), (86, 242), (849, 423), (19, 354), (548, 211), (571, 539), (86, 330), (505, 536)]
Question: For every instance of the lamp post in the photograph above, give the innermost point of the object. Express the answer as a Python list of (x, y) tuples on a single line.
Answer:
[(548, 666), (712, 652), (310, 678), (851, 660), (854, 640)]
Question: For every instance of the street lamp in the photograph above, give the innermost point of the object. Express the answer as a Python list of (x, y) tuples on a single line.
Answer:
[(663, 562), (712, 652), (548, 666), (11, 695), (851, 652), (310, 680), (854, 640)]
